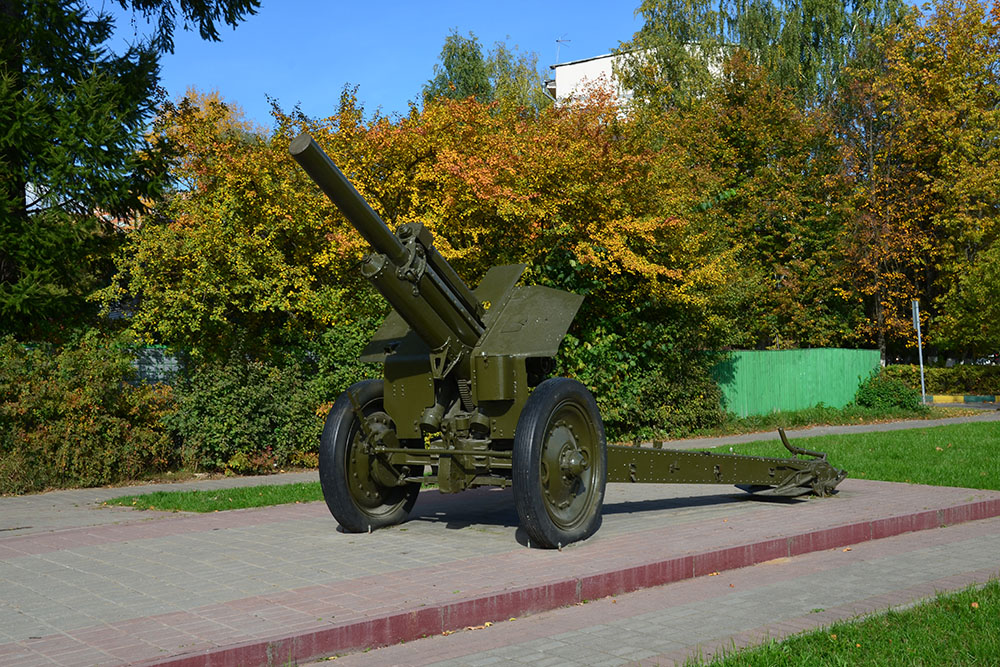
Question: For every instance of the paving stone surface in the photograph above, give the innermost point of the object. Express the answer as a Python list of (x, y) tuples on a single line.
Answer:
[(86, 584), (55, 510), (671, 624), (149, 589)]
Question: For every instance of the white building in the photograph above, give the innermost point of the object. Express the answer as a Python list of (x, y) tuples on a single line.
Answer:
[(577, 78)]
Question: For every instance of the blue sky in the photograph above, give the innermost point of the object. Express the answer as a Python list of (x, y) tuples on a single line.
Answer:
[(305, 51)]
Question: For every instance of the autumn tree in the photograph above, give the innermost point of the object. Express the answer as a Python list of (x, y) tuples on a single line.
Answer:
[(924, 151), (777, 192), (595, 203), (238, 258), (249, 257), (885, 239), (950, 89)]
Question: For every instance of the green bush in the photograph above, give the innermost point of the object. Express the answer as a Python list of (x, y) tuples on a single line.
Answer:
[(643, 394), (246, 416), (70, 416), (253, 416), (882, 392), (963, 379), (333, 362)]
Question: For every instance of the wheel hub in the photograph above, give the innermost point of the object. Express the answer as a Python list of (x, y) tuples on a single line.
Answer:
[(563, 466), (572, 461), (362, 473)]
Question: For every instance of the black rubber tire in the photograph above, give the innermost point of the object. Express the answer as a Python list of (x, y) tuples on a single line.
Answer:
[(367, 504), (559, 498)]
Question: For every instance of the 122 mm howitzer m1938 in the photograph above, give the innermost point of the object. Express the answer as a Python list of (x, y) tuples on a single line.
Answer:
[(466, 391)]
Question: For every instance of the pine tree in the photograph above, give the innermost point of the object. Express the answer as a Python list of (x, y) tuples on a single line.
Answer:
[(74, 159)]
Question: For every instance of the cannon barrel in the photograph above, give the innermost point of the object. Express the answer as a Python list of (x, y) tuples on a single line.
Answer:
[(406, 268), (332, 181)]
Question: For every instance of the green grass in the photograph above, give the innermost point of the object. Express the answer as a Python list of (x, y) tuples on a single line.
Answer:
[(819, 415), (953, 629), (826, 416), (955, 455), (224, 499)]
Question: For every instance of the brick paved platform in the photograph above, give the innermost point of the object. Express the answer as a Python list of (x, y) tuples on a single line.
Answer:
[(705, 616), (279, 585)]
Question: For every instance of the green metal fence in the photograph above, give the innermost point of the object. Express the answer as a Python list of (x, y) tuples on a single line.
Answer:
[(757, 382)]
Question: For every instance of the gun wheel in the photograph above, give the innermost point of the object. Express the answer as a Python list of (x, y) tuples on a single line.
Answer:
[(354, 481), (559, 464)]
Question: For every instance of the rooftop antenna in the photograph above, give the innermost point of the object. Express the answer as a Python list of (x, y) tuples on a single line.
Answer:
[(559, 43)]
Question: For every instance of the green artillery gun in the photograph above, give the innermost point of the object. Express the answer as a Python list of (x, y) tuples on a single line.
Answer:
[(466, 391)]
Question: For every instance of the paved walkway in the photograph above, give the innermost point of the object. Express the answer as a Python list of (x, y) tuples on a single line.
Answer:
[(76, 508), (81, 584), (708, 615)]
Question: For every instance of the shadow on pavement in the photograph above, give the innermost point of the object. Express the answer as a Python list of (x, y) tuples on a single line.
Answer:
[(495, 507)]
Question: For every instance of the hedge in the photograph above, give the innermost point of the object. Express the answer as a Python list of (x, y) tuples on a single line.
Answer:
[(72, 417), (962, 379)]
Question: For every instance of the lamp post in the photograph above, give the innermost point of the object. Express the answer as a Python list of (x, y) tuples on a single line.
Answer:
[(920, 349)]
